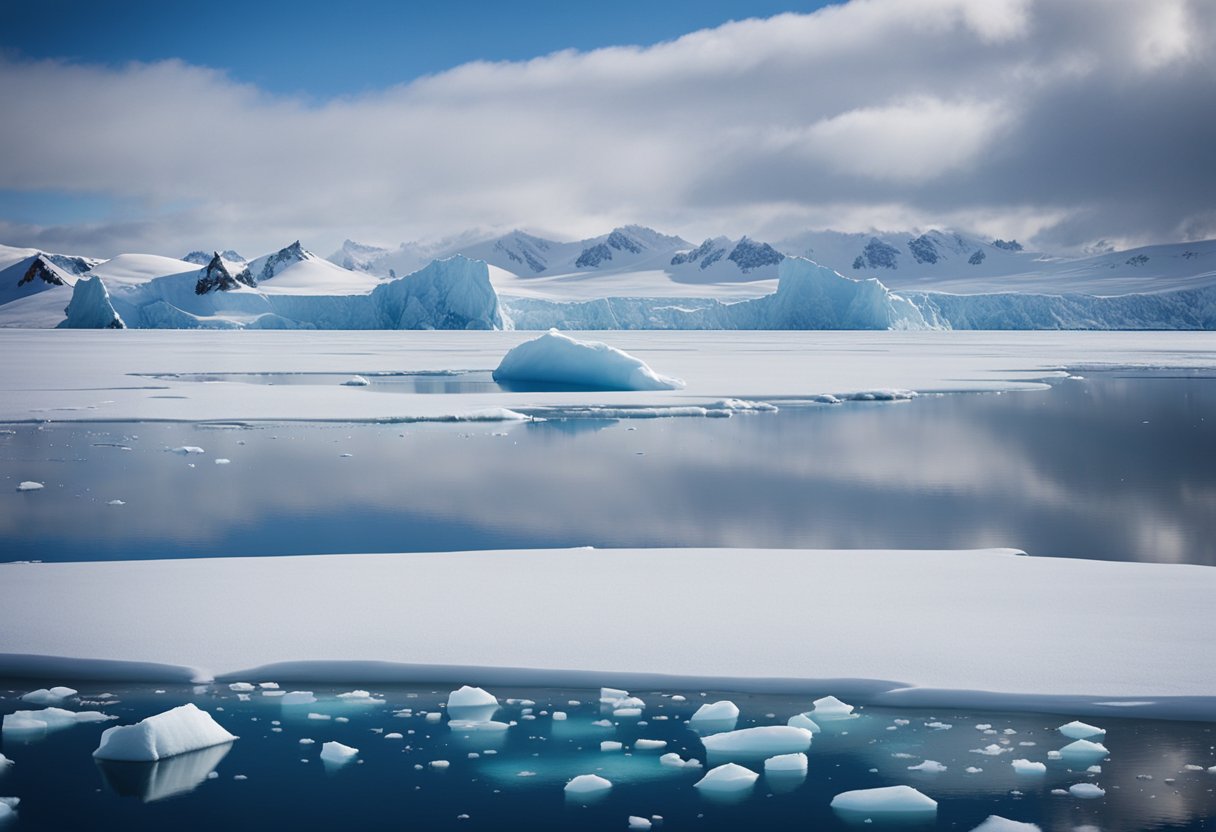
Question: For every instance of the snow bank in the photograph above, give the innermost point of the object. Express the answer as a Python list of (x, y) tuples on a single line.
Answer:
[(182, 729), (765, 739), (588, 784), (730, 777), (560, 359), (885, 800)]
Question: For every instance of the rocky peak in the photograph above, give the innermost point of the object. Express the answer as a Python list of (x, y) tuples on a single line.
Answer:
[(41, 269), (217, 277)]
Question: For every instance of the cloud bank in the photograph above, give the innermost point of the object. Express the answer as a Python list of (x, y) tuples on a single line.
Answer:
[(1064, 122)]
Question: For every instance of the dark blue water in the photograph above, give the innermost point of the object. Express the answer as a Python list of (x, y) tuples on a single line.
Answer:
[(1111, 467), (1147, 782)]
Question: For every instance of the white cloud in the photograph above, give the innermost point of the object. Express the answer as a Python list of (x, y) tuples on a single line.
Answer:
[(1080, 119)]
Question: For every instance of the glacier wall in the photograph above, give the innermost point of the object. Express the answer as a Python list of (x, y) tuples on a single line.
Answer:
[(456, 293)]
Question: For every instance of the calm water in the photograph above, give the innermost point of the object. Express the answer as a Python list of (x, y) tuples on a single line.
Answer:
[(515, 780), (1110, 467)]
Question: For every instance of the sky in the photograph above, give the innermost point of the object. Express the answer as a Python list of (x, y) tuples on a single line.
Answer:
[(140, 125)]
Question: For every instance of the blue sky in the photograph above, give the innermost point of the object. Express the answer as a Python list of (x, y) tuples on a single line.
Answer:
[(170, 125), (324, 49)]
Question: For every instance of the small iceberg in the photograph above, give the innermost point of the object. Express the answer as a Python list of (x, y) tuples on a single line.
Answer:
[(805, 722), (29, 485), (829, 707), (588, 786), (336, 754), (560, 359), (1086, 791), (1081, 731), (996, 823), (1083, 750), (729, 778), (887, 801), (786, 762), (26, 723), (470, 697), (765, 740), (1027, 767), (673, 760), (52, 696), (356, 381), (714, 711), (177, 731), (928, 767)]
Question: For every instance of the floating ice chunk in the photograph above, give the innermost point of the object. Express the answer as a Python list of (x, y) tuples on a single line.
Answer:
[(829, 707), (996, 823), (588, 784), (53, 696), (649, 745), (222, 461), (5, 761), (1084, 748), (941, 726), (359, 697), (627, 712), (888, 799), (766, 739), (1098, 769), (786, 762), (116, 503), (1081, 731), (29, 485), (356, 381), (672, 759), (560, 359), (394, 735), (603, 723), (629, 702), (973, 769), (1027, 767), (675, 697), (268, 685), (611, 695), (49, 719), (1086, 791), (187, 450), (298, 697), (319, 717), (184, 728), (1051, 755), (307, 741), (558, 716), (724, 710), (992, 750), (471, 697), (8, 809), (611, 745), (805, 722), (929, 767), (440, 764), (335, 753), (727, 778), (639, 824), (466, 725), (240, 687)]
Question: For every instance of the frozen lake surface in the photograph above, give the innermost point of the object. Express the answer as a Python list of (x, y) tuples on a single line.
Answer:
[(1113, 466), (1154, 776)]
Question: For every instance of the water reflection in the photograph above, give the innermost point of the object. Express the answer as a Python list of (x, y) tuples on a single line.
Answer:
[(1110, 467), (163, 779)]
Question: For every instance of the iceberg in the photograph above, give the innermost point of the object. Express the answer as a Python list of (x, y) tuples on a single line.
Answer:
[(337, 754), (49, 719), (996, 823), (52, 696), (786, 762), (804, 721), (723, 710), (885, 800), (674, 760), (928, 767), (766, 739), (90, 307), (829, 707), (727, 778), (1027, 767), (471, 697), (560, 359), (177, 731), (1083, 749), (1086, 791), (587, 785), (1081, 731)]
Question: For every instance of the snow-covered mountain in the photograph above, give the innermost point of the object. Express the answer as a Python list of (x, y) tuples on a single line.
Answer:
[(202, 258), (35, 285)]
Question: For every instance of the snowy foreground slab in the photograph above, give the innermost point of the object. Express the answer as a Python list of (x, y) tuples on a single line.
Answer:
[(134, 375), (978, 628)]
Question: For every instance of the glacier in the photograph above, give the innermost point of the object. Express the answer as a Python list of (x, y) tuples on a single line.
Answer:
[(294, 289)]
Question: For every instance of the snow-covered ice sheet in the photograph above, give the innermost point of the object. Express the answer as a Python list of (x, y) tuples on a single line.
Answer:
[(911, 618), (44, 375)]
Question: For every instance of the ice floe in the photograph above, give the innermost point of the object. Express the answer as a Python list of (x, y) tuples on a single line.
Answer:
[(765, 739), (335, 753), (884, 800), (558, 358), (730, 777)]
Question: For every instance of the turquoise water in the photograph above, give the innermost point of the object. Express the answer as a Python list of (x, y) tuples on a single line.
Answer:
[(514, 780)]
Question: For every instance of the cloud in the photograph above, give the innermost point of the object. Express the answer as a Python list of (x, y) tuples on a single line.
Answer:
[(1074, 121)]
